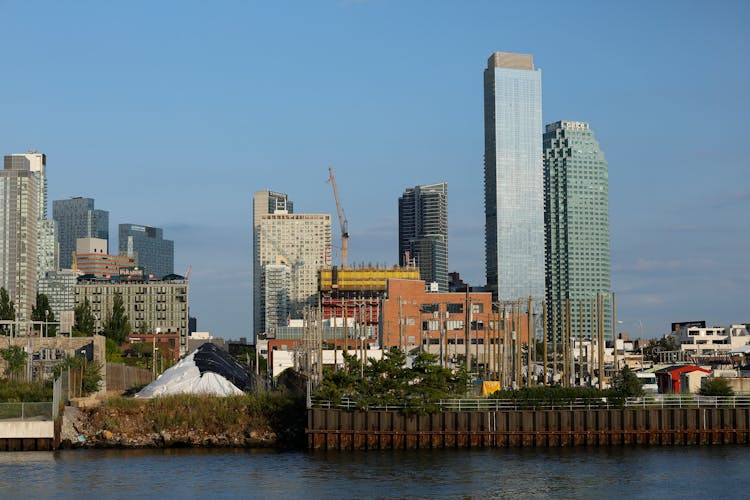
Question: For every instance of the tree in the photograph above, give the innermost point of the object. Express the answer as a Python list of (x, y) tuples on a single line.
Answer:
[(42, 311), (91, 372), (7, 308), (117, 326), (113, 354), (15, 360), (716, 387), (627, 384), (389, 382), (84, 320)]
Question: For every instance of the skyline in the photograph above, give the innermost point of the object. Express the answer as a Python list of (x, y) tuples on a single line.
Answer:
[(178, 126)]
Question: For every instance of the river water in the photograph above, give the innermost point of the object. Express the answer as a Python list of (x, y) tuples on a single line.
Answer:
[(608, 472)]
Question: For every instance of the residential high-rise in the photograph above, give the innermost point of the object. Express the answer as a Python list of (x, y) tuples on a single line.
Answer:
[(151, 251), (513, 183), (423, 231), (302, 244), (577, 227), (77, 218), (150, 305), (19, 232), (47, 251), (264, 203)]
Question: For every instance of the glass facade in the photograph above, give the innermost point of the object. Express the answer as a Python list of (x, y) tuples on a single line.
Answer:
[(149, 248), (513, 180), (77, 218), (577, 228), (423, 231)]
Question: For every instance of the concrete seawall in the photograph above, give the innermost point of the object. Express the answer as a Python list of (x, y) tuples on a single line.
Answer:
[(27, 435), (336, 429)]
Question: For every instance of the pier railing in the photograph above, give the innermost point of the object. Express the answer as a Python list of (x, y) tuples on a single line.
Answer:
[(651, 401), (26, 411)]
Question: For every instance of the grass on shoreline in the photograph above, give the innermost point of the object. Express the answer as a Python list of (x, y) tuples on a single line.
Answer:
[(21, 392), (283, 412)]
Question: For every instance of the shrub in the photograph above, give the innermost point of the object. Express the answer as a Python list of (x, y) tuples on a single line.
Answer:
[(716, 387), (21, 392)]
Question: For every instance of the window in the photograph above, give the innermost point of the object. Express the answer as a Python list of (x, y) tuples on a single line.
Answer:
[(455, 308)]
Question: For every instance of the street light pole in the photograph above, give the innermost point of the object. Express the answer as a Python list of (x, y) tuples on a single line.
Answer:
[(362, 350)]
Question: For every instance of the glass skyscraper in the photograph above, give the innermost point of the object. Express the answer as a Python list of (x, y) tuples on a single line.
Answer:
[(423, 232), (513, 181), (147, 244), (77, 218), (577, 228)]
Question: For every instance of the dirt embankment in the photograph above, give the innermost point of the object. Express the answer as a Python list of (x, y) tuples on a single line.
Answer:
[(184, 422)]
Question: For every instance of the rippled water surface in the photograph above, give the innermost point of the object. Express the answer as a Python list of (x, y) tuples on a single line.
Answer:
[(616, 472)]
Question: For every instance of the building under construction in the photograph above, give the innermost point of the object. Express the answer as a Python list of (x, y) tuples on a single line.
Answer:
[(355, 293)]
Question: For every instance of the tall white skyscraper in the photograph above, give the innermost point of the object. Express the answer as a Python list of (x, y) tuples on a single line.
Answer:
[(20, 218), (47, 249), (264, 203), (513, 177), (302, 244)]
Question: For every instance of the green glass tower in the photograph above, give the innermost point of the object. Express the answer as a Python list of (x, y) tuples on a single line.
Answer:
[(576, 230)]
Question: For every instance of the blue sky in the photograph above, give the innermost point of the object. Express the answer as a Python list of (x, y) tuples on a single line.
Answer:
[(173, 113)]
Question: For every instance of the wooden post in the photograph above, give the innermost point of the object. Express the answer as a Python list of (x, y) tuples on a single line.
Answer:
[(554, 342), (467, 332), (580, 344), (600, 330), (592, 339), (532, 345), (519, 344), (614, 332), (544, 342)]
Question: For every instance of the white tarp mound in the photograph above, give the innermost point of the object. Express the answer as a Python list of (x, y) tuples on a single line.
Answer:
[(186, 377)]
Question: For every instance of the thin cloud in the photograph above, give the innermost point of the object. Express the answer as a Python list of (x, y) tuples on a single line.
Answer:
[(646, 299), (729, 199), (653, 265)]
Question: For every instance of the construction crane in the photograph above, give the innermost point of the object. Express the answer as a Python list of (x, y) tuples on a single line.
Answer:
[(342, 219)]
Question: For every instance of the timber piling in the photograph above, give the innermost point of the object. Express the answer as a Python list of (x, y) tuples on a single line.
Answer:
[(339, 429)]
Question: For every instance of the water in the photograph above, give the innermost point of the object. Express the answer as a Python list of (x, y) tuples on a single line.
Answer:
[(615, 472)]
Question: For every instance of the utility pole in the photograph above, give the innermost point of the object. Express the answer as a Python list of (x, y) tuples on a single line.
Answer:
[(614, 331), (554, 342), (600, 329), (567, 349), (592, 339), (531, 339), (544, 342), (580, 344), (467, 331), (400, 325), (519, 344)]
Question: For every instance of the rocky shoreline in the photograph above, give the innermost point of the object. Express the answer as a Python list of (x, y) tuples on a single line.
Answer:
[(104, 427)]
